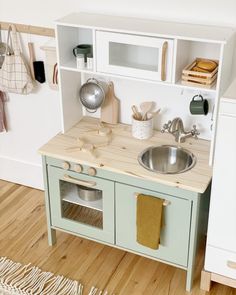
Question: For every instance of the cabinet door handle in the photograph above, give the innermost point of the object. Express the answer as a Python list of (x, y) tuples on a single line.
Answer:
[(163, 61), (231, 264), (165, 203), (79, 181)]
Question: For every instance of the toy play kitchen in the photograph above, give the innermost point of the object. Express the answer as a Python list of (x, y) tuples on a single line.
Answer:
[(105, 184)]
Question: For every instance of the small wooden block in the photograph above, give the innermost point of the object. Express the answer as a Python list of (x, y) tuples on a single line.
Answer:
[(104, 131), (205, 281), (88, 147)]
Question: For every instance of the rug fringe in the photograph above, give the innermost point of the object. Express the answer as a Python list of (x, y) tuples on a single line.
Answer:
[(16, 279), (28, 280)]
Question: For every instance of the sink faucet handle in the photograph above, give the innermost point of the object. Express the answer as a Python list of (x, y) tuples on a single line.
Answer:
[(166, 126), (195, 132)]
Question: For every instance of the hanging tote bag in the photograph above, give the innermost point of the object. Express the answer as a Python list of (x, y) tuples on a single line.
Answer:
[(14, 74)]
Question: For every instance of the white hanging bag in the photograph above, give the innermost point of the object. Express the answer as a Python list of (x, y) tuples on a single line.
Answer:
[(15, 75)]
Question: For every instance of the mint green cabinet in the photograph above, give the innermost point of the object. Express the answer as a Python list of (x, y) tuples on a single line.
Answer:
[(67, 214), (112, 220), (174, 235)]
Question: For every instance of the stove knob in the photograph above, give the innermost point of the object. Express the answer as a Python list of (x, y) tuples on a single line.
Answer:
[(78, 168), (66, 165), (92, 171)]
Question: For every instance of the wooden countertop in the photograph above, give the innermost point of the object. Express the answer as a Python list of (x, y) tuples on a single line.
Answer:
[(121, 154)]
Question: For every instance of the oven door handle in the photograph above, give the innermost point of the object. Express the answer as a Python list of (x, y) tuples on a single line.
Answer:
[(163, 61), (79, 181)]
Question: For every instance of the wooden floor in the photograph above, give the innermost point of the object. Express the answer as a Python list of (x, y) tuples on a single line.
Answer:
[(23, 238)]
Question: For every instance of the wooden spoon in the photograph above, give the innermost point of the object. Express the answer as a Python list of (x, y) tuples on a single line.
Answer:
[(146, 108), (153, 114), (137, 115), (32, 58)]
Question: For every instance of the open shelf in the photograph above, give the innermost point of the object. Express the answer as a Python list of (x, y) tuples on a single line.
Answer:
[(195, 88), (69, 38), (70, 195), (71, 66), (188, 51)]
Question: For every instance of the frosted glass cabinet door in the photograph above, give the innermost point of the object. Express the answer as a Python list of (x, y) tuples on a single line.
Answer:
[(135, 56), (222, 218)]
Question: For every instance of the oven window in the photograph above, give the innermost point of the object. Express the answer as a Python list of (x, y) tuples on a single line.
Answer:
[(81, 204)]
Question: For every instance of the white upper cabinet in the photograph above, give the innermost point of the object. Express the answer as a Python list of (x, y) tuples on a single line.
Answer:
[(131, 50), (143, 57)]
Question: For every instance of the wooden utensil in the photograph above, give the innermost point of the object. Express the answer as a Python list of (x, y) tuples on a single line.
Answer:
[(36, 67), (153, 114), (145, 108), (110, 107), (137, 114), (32, 58)]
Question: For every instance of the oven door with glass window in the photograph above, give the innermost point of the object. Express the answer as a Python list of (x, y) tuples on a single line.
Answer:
[(82, 204)]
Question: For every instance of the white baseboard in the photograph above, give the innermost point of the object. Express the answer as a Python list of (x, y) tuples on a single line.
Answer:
[(21, 172)]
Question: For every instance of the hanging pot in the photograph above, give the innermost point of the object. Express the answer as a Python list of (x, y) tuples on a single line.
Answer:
[(92, 94)]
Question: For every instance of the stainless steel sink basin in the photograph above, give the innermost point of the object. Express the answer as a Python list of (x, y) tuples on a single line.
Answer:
[(167, 159)]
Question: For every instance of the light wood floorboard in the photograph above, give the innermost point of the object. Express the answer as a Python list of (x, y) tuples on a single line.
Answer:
[(23, 238)]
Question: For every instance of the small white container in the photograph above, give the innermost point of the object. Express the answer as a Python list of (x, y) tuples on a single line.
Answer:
[(89, 63), (142, 129), (80, 61)]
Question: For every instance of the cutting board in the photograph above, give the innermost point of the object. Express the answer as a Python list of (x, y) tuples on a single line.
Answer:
[(110, 108)]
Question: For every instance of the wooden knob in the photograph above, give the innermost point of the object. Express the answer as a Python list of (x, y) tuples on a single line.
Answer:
[(66, 165), (92, 171), (78, 168)]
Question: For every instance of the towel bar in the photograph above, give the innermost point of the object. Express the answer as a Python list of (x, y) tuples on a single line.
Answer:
[(165, 203)]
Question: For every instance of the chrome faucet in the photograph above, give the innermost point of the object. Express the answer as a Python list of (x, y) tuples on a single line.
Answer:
[(176, 128)]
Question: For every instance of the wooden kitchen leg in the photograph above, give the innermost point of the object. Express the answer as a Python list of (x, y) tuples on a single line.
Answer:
[(189, 279), (51, 236), (194, 236), (205, 281), (192, 245)]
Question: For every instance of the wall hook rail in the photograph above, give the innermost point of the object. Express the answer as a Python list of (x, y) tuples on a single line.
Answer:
[(28, 29)]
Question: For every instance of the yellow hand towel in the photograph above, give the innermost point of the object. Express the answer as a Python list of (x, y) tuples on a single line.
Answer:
[(149, 220)]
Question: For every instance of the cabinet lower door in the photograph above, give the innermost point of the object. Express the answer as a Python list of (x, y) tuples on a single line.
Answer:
[(174, 233), (221, 262), (82, 204)]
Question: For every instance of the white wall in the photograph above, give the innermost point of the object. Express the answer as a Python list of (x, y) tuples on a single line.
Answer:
[(34, 119), (44, 12)]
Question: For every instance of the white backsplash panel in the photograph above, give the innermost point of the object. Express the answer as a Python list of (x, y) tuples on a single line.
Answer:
[(173, 101)]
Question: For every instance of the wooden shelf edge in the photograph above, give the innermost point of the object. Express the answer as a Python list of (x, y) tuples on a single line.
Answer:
[(73, 69), (177, 85)]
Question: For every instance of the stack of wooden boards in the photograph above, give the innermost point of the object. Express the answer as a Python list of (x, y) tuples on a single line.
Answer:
[(201, 72)]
